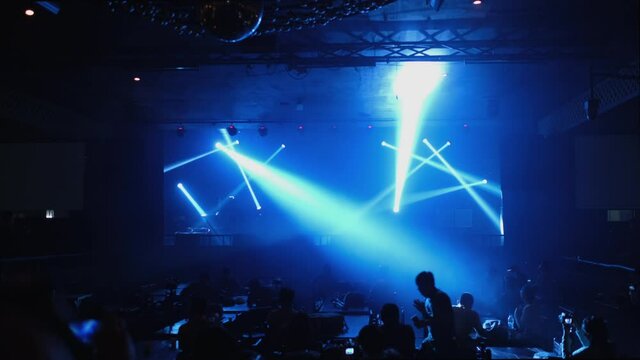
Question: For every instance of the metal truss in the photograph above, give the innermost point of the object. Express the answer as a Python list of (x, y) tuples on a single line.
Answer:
[(615, 89), (369, 42)]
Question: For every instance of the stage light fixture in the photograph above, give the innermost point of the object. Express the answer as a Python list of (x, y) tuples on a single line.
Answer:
[(592, 108), (477, 2), (262, 130), (232, 130), (300, 127), (283, 146), (136, 79), (485, 181), (180, 130), (29, 12), (435, 4), (369, 126)]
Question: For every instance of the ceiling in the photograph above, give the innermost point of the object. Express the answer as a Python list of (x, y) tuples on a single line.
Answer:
[(510, 63)]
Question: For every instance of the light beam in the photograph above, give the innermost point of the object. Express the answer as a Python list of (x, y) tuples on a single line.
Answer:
[(413, 84), (425, 195), (384, 193), (491, 214), (491, 187), (322, 211), (244, 175), (192, 200), (242, 185), (190, 160)]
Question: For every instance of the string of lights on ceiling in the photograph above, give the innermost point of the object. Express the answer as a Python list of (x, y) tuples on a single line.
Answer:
[(234, 21)]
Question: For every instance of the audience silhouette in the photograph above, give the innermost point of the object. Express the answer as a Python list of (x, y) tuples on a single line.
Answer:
[(394, 334), (436, 315)]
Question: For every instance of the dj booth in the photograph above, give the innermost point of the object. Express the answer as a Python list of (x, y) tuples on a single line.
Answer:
[(202, 239)]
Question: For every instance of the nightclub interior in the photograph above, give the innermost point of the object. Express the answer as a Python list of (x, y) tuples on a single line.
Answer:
[(320, 179)]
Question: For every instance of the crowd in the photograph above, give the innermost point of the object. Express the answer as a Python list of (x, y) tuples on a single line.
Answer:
[(41, 329)]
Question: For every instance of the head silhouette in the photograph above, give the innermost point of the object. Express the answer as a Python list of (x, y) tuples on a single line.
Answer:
[(466, 300), (285, 297), (426, 283), (528, 294), (596, 329), (371, 340), (390, 314)]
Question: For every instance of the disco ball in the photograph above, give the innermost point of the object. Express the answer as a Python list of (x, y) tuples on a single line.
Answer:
[(232, 20)]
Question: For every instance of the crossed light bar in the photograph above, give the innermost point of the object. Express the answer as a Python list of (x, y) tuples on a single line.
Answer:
[(384, 193), (492, 188), (491, 214), (185, 162), (244, 176), (242, 185), (227, 138), (421, 196), (192, 200)]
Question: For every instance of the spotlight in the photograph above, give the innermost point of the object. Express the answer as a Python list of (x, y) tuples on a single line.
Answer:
[(300, 127), (414, 83), (384, 143), (180, 130), (262, 130), (435, 4), (29, 12), (466, 126), (448, 143), (232, 130), (477, 2), (136, 79), (485, 181), (218, 145), (283, 146), (591, 108), (369, 126)]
